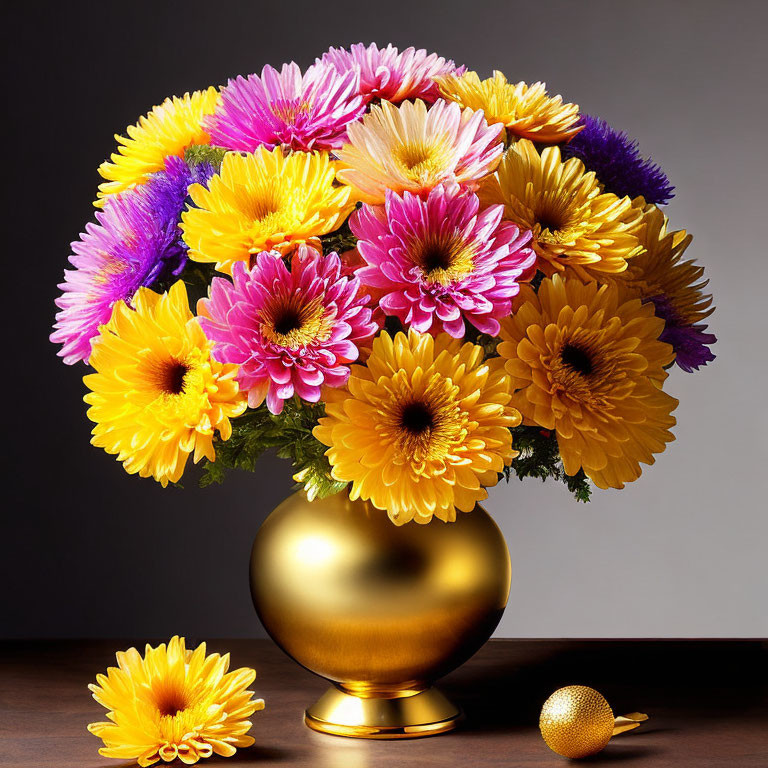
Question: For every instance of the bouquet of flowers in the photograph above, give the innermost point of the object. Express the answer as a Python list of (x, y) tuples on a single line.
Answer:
[(409, 281)]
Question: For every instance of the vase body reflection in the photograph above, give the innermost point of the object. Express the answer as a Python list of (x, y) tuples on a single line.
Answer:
[(379, 610)]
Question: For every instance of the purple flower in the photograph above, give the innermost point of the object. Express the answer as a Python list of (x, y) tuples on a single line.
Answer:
[(690, 342), (617, 161), (135, 242)]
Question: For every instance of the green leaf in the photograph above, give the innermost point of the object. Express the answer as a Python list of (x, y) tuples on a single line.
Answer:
[(204, 153), (289, 434), (539, 456)]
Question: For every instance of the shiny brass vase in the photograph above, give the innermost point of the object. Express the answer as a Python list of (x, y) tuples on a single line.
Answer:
[(379, 610)]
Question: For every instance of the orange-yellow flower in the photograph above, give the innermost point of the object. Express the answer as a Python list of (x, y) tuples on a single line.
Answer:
[(675, 288), (586, 361), (526, 111), (422, 428), (575, 225)]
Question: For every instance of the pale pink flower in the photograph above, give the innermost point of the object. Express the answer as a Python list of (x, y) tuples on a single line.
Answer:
[(415, 148), (391, 75)]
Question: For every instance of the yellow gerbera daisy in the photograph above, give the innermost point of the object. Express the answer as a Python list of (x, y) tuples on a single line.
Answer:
[(586, 362), (264, 201), (167, 130), (574, 224), (174, 703), (421, 428), (660, 273), (157, 395), (415, 148), (526, 111)]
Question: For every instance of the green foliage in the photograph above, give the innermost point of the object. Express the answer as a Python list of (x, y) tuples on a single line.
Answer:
[(203, 153), (289, 434), (540, 457), (341, 240)]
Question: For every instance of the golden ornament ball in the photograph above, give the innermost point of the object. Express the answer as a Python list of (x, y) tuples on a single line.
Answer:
[(576, 721)]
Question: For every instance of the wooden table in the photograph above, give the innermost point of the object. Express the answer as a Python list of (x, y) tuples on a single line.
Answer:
[(708, 703)]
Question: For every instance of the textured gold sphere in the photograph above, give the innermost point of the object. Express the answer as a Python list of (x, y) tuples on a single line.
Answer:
[(576, 721), (377, 608)]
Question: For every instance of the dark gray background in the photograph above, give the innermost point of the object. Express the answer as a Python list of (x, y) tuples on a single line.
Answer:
[(87, 550)]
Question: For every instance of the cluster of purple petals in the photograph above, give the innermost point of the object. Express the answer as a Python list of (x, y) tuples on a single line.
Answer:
[(165, 195), (690, 342), (617, 161), (136, 241)]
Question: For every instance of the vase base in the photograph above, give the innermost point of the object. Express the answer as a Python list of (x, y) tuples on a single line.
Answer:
[(425, 713)]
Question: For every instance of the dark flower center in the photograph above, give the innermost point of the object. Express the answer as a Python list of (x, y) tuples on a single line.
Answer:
[(416, 418), (174, 378), (550, 222), (435, 258), (576, 359), (170, 703), (288, 320)]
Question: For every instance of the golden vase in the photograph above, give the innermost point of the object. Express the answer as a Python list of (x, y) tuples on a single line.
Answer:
[(379, 610)]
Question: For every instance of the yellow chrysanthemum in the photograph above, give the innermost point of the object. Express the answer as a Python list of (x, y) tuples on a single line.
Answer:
[(660, 274), (414, 148), (575, 225), (526, 111), (422, 428), (264, 201), (174, 703), (167, 130), (586, 362), (157, 395)]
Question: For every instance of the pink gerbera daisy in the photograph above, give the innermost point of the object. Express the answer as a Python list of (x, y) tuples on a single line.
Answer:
[(285, 108), (291, 332), (440, 261), (387, 74)]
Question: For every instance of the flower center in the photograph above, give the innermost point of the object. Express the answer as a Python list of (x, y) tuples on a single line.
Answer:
[(288, 111), (425, 425), (171, 701), (576, 359), (444, 260), (171, 377), (421, 160), (549, 221), (557, 219), (288, 321), (263, 203), (414, 153), (417, 417), (291, 323)]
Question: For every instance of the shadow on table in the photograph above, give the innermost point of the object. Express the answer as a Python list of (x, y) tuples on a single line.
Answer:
[(504, 690)]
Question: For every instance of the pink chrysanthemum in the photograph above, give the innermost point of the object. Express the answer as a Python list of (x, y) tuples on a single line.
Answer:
[(440, 261), (285, 108), (415, 148), (291, 332), (387, 74)]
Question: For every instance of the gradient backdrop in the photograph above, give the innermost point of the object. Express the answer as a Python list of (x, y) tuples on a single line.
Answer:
[(89, 551)]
